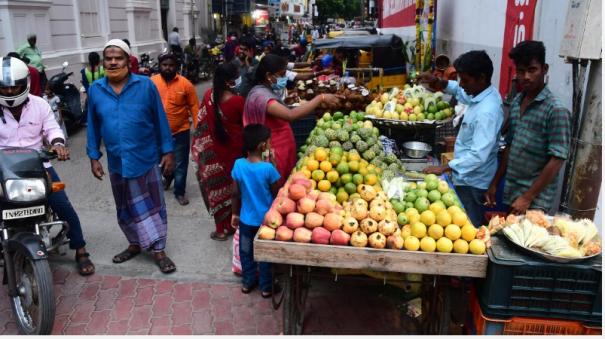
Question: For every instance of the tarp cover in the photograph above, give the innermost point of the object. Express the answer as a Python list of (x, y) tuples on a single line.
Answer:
[(361, 41)]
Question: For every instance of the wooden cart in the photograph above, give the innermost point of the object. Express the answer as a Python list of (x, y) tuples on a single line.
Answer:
[(299, 259)]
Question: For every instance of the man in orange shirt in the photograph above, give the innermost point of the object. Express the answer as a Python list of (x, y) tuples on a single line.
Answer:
[(180, 102)]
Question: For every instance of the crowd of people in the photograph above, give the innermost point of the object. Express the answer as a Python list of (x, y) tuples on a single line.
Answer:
[(241, 142)]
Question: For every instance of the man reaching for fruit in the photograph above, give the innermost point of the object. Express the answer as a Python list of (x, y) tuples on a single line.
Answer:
[(476, 148), (537, 138)]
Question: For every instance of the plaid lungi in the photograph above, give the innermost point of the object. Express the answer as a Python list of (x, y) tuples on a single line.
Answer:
[(141, 209)]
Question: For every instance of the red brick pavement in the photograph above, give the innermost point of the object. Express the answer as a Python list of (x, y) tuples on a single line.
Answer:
[(103, 304)]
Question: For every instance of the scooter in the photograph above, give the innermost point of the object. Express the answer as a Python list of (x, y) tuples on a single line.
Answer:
[(69, 94), (29, 230)]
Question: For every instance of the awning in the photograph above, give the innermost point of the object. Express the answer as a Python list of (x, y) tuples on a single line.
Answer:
[(360, 41)]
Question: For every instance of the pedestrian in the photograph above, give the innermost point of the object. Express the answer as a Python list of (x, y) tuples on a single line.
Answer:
[(134, 61), (174, 41), (217, 142), (230, 46), (264, 106), (125, 113), (54, 102), (28, 122), (538, 136), (180, 103), (33, 54), (93, 71), (255, 184), (34, 75), (476, 148)]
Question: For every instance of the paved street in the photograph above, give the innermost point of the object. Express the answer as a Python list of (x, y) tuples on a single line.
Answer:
[(202, 297)]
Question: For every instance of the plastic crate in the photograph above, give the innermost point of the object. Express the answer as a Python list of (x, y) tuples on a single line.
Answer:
[(518, 284), (302, 128), (482, 325)]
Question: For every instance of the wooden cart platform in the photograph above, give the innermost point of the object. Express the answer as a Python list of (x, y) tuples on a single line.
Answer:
[(297, 259), (293, 253)]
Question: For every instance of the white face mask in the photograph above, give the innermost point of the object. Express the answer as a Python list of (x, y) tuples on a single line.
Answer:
[(238, 82)]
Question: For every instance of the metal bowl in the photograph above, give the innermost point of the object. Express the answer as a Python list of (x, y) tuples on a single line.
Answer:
[(416, 149)]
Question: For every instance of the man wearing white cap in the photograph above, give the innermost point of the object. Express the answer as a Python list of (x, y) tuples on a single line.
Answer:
[(126, 113)]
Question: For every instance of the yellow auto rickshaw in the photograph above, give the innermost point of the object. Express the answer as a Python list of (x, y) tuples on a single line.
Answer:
[(376, 61)]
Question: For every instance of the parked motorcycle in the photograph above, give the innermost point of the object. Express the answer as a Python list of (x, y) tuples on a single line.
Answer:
[(69, 94), (146, 67), (29, 230)]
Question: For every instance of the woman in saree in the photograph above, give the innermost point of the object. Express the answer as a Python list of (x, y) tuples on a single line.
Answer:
[(217, 142), (264, 106)]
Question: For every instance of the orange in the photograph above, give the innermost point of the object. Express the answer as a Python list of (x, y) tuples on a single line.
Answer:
[(370, 179), (324, 185), (325, 166), (312, 164), (321, 154)]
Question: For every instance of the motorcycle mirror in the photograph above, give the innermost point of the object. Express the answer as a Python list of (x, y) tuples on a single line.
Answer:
[(65, 64)]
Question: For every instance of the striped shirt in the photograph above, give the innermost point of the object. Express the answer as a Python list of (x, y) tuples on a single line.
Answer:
[(542, 132)]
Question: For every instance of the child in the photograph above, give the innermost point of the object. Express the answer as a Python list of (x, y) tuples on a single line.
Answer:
[(254, 187), (54, 103)]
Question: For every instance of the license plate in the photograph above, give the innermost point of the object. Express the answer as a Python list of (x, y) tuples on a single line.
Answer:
[(21, 213)]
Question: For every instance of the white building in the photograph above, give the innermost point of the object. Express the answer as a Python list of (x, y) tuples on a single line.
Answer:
[(68, 30)]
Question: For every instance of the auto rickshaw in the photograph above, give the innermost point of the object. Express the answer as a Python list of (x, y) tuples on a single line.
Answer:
[(377, 61)]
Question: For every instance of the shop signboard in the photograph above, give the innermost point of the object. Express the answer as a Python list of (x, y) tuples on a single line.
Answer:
[(519, 26), (261, 17), (397, 13)]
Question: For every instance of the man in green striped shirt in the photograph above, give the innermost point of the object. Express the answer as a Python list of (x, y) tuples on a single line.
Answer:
[(537, 139)]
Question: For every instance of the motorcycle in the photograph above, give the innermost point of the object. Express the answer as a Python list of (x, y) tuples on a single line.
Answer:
[(69, 94), (146, 67), (29, 230), (191, 68)]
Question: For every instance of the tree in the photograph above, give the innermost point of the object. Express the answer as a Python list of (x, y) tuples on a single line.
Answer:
[(345, 9)]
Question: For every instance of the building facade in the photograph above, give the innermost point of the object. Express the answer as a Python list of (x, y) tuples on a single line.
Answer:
[(68, 30)]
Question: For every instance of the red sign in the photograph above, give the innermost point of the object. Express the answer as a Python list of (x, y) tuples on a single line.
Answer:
[(397, 13), (519, 27)]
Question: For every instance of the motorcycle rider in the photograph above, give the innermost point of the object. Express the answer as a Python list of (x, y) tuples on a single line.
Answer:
[(26, 121), (192, 59)]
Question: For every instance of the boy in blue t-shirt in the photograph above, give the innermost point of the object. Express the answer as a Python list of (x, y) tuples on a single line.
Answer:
[(254, 187)]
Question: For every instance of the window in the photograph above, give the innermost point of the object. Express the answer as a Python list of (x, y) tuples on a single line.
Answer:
[(90, 22)]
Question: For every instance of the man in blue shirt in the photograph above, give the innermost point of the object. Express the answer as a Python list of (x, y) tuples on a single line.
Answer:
[(475, 152), (125, 112)]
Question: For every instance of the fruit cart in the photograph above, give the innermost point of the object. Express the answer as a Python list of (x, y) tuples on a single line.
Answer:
[(300, 262)]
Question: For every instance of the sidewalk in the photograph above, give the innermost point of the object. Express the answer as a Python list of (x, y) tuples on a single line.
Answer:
[(109, 304)]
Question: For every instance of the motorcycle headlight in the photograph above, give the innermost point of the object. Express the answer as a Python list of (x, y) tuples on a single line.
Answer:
[(25, 189)]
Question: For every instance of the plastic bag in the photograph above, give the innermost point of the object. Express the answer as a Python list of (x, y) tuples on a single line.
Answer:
[(236, 265)]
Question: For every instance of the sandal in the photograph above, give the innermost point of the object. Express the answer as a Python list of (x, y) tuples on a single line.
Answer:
[(166, 265), (125, 255), (218, 236), (248, 289), (85, 265)]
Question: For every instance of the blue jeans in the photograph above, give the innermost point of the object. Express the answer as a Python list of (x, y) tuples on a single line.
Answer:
[(59, 202), (246, 257), (181, 157), (472, 199)]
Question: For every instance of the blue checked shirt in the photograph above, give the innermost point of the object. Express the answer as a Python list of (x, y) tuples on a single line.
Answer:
[(475, 152), (133, 126)]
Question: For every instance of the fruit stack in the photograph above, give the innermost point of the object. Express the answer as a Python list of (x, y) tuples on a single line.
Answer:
[(335, 197), (411, 104)]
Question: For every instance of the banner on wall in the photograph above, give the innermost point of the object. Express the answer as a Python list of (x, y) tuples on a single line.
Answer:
[(397, 13), (292, 7), (518, 27)]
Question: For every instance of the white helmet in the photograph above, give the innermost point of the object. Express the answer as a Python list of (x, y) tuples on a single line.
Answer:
[(14, 72)]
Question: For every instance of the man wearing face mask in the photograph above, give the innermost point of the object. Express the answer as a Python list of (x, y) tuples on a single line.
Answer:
[(125, 112), (180, 102)]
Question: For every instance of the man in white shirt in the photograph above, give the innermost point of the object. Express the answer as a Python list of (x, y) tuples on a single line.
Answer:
[(174, 41)]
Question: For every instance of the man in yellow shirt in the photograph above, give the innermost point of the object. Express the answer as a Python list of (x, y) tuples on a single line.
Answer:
[(180, 102)]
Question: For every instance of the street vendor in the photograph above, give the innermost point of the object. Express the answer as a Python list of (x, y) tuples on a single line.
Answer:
[(264, 106), (476, 148), (537, 139)]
